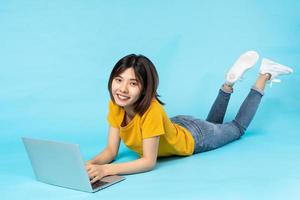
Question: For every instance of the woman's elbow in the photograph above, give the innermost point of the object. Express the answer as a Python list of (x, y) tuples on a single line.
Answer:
[(150, 165)]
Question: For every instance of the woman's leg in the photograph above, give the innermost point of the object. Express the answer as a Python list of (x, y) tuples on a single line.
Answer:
[(241, 65), (251, 103), (217, 112), (213, 136), (269, 71)]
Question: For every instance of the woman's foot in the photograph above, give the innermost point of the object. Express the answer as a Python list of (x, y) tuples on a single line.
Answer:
[(274, 69), (241, 65)]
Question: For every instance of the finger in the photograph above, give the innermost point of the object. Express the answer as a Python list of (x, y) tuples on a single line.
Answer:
[(90, 175), (88, 167), (94, 174), (96, 179), (91, 168)]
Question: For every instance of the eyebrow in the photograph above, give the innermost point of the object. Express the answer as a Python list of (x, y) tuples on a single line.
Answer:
[(132, 79)]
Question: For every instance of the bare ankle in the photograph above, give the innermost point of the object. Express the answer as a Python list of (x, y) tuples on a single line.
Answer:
[(266, 76), (228, 87)]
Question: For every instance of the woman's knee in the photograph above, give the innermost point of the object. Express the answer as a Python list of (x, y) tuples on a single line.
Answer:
[(240, 128)]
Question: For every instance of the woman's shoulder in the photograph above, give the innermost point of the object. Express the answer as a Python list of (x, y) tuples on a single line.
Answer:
[(114, 107), (155, 108)]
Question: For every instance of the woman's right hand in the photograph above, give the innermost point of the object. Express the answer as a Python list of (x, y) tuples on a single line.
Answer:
[(89, 163)]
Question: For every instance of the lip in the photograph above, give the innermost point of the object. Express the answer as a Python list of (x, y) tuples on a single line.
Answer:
[(122, 97)]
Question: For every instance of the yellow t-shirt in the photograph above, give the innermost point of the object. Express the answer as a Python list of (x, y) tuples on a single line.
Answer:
[(174, 139)]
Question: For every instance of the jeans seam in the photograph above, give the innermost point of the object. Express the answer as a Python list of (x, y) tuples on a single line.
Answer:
[(239, 126)]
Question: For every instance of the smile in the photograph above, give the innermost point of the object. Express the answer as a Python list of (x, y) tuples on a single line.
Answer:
[(122, 97)]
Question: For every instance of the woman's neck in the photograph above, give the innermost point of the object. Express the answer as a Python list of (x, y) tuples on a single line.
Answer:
[(128, 116), (129, 112)]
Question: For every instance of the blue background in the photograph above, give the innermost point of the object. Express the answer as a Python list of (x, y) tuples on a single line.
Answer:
[(55, 60)]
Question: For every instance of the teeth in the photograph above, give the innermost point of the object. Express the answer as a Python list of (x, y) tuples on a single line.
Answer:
[(122, 97)]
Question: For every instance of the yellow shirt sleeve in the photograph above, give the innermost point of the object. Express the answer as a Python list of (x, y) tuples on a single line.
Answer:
[(113, 115)]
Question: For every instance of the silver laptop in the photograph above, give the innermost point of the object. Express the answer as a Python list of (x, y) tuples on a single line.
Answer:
[(61, 164)]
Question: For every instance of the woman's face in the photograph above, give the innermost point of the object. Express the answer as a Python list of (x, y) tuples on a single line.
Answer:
[(126, 89)]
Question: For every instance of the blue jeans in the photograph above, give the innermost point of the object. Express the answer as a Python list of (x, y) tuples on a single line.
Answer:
[(212, 133)]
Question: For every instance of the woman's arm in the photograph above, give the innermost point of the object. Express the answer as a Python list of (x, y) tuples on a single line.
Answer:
[(111, 150), (146, 163)]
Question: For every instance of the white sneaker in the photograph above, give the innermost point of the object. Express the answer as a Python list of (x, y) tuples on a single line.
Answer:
[(274, 69), (241, 65)]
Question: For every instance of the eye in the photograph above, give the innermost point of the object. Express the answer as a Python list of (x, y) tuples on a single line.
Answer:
[(118, 80), (133, 84)]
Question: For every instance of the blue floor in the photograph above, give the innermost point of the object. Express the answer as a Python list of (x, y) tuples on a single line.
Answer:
[(55, 59)]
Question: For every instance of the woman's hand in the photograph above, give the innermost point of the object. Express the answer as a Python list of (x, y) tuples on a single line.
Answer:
[(89, 162), (96, 172)]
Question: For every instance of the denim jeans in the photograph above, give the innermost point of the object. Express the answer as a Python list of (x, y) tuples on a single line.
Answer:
[(212, 133)]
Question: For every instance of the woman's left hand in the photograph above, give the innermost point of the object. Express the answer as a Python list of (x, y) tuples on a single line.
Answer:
[(96, 172)]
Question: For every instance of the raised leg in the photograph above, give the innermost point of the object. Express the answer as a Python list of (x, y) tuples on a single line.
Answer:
[(217, 112)]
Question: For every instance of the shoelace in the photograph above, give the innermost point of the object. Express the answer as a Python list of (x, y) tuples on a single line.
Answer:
[(275, 81)]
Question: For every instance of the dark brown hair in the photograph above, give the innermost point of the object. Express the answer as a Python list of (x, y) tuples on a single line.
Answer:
[(145, 73)]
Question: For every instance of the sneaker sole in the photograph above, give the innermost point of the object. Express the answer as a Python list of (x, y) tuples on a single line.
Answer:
[(241, 69)]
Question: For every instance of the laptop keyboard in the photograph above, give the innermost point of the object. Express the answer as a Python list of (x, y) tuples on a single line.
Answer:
[(99, 184)]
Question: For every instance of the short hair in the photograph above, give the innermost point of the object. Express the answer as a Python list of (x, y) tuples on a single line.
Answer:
[(145, 73)]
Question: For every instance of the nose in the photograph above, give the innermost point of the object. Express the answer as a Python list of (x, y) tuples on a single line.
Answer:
[(123, 88)]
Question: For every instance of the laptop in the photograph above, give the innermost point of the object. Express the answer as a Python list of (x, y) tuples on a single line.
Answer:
[(61, 164)]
